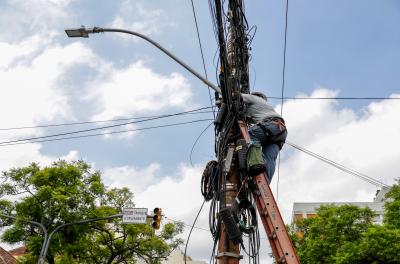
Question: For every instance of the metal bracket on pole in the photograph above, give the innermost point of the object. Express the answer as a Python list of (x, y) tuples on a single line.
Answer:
[(229, 254), (228, 159)]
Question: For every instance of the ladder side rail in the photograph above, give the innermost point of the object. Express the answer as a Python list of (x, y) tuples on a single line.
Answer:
[(268, 227), (281, 244)]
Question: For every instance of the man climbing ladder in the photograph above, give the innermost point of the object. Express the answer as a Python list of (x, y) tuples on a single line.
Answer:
[(267, 133)]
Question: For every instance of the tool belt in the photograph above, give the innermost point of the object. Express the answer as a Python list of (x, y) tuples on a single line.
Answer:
[(277, 138)]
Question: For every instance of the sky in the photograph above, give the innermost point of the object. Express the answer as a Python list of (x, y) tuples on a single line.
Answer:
[(334, 49)]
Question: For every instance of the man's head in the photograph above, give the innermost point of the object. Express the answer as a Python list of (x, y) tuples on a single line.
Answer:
[(259, 94)]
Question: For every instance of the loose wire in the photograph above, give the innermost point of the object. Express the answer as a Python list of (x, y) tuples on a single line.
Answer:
[(195, 142), (191, 229), (282, 89), (105, 133), (100, 128), (93, 122), (201, 51)]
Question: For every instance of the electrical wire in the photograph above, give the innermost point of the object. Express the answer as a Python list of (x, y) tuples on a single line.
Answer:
[(94, 122), (186, 224), (105, 133), (201, 51), (282, 89), (102, 127), (284, 55), (195, 142), (333, 98), (191, 229), (341, 167)]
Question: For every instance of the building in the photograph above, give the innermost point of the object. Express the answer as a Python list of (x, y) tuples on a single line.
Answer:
[(6, 257), (10, 257), (308, 210)]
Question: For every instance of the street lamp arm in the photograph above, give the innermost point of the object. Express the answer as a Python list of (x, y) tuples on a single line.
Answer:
[(45, 234), (84, 32), (47, 244)]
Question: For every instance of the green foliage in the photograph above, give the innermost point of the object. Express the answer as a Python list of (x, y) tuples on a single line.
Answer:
[(392, 207), (324, 235), (345, 235), (67, 192), (379, 244)]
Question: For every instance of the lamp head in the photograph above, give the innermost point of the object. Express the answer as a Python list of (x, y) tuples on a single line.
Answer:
[(77, 32)]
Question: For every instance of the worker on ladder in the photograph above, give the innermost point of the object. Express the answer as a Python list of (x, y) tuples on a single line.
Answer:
[(267, 133)]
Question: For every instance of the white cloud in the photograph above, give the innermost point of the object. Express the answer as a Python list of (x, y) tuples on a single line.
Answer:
[(136, 179), (138, 89), (24, 18), (30, 74), (366, 142), (138, 18), (180, 198), (30, 89)]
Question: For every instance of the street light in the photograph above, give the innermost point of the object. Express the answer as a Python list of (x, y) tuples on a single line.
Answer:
[(77, 33), (83, 32), (42, 256)]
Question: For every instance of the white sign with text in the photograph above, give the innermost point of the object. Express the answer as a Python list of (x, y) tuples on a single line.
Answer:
[(134, 215)]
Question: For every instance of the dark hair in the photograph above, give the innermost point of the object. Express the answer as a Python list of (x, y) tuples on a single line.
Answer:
[(259, 94)]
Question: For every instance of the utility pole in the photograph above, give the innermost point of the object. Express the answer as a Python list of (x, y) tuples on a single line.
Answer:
[(233, 79), (239, 194)]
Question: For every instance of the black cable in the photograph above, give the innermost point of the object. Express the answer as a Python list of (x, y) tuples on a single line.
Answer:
[(103, 127), (191, 229), (179, 221), (284, 55), (334, 98), (341, 167), (201, 51), (195, 142), (105, 133), (282, 89), (94, 122)]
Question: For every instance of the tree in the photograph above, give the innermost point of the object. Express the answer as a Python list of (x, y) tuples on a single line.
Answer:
[(67, 192), (333, 227), (115, 242), (378, 245), (392, 206), (345, 235)]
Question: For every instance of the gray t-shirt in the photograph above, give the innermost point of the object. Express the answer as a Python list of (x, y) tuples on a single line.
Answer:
[(258, 109)]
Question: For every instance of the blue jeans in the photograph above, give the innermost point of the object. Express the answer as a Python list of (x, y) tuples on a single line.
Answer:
[(270, 149)]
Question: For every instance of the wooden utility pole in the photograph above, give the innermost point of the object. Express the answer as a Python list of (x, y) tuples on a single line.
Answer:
[(234, 80), (231, 80)]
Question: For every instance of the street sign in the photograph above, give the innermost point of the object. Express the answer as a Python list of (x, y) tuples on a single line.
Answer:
[(134, 215)]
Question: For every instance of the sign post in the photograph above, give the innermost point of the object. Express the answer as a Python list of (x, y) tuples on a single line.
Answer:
[(134, 215)]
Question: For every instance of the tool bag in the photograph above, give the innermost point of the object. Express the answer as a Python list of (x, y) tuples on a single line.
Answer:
[(255, 160)]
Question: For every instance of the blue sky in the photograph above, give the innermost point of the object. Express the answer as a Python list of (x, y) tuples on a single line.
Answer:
[(334, 48)]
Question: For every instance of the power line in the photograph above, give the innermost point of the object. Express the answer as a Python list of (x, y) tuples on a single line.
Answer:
[(105, 133), (194, 226), (333, 98), (185, 224), (191, 228), (283, 88), (93, 122), (103, 127), (341, 167), (284, 55), (201, 50), (195, 142)]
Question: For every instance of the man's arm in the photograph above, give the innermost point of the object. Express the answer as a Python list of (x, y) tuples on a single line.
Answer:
[(247, 98)]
